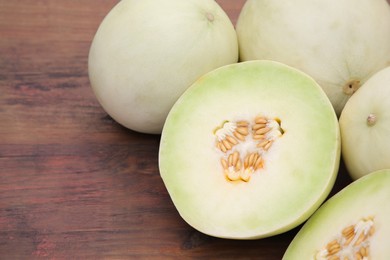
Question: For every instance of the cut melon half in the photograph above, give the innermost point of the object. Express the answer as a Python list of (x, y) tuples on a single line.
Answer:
[(353, 224), (250, 150)]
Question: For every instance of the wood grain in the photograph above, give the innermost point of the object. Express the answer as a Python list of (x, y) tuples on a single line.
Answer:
[(73, 183)]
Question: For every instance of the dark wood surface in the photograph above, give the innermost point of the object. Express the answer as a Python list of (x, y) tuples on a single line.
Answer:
[(73, 183)]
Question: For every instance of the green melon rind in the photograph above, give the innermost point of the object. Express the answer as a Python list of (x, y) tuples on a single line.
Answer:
[(266, 205), (367, 196)]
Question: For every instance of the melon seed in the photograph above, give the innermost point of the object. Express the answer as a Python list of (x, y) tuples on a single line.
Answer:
[(353, 242), (232, 137)]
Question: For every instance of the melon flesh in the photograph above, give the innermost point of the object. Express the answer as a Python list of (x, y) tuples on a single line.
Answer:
[(365, 198), (365, 127), (299, 169), (339, 43)]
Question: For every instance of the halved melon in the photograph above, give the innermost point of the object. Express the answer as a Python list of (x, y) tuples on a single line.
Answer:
[(353, 224), (250, 150)]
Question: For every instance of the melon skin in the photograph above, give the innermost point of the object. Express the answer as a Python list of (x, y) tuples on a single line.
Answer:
[(146, 53), (339, 43), (299, 172), (365, 127), (367, 196)]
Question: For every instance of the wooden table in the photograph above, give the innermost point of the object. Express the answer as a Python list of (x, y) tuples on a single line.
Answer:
[(73, 183)]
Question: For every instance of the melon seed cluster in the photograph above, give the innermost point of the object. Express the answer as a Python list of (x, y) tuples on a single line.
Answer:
[(351, 244), (243, 145)]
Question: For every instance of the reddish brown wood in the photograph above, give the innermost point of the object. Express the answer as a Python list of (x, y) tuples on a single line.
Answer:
[(73, 183)]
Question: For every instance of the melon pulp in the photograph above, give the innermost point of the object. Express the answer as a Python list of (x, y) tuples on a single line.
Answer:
[(339, 43), (353, 224), (146, 53), (250, 150), (365, 127)]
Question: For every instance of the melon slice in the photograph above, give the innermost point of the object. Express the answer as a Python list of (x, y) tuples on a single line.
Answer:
[(353, 224), (250, 150), (365, 127)]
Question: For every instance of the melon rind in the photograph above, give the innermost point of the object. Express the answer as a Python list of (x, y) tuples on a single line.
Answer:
[(367, 196), (300, 167)]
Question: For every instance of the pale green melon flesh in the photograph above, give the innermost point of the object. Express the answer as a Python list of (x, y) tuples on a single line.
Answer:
[(299, 169), (365, 145), (367, 197)]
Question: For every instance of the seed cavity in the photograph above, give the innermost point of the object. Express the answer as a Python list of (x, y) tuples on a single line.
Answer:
[(243, 144), (353, 242), (230, 134)]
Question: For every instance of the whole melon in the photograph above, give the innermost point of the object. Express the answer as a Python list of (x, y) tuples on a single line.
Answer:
[(339, 43), (146, 53), (365, 127)]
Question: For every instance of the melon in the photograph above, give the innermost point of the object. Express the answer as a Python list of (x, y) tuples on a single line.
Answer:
[(250, 150), (353, 224), (339, 43), (365, 127), (146, 53)]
